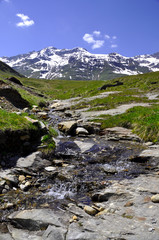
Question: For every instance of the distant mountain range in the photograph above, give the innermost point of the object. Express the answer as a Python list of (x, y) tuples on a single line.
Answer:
[(79, 64)]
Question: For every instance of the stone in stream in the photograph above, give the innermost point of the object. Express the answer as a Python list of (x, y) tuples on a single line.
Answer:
[(42, 115), (67, 127), (9, 175), (50, 169), (81, 131)]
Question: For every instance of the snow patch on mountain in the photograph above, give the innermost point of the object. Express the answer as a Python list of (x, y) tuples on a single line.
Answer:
[(78, 63)]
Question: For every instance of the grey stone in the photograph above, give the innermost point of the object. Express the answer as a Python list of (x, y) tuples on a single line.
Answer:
[(36, 219), (5, 236), (19, 234), (29, 160), (9, 175), (54, 233)]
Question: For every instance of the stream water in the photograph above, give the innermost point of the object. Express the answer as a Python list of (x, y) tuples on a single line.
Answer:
[(83, 166)]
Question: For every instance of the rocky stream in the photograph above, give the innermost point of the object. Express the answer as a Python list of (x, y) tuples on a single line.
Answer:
[(98, 185)]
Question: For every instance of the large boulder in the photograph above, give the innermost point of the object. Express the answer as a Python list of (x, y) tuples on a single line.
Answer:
[(67, 127)]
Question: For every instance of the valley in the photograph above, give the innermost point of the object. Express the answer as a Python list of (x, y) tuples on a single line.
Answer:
[(80, 159)]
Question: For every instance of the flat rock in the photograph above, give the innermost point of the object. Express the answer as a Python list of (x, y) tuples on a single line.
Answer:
[(19, 234), (54, 233), (153, 151), (122, 133), (84, 146), (36, 219), (9, 175), (28, 161)]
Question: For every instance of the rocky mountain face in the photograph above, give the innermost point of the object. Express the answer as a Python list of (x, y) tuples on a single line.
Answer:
[(79, 64)]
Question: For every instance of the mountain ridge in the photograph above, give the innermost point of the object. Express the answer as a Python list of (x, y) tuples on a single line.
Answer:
[(79, 64)]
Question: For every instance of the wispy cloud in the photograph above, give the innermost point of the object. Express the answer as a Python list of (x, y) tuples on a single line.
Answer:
[(96, 33), (97, 40), (114, 46), (25, 20), (90, 39)]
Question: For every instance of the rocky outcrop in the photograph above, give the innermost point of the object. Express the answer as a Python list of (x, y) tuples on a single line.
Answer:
[(15, 80), (12, 96)]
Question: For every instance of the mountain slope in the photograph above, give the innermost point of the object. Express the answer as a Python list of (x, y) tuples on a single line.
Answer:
[(5, 69), (79, 64)]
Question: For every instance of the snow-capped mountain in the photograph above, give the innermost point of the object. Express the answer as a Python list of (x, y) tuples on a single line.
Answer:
[(79, 64)]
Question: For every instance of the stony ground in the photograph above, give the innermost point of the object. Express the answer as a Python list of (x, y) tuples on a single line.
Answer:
[(121, 209)]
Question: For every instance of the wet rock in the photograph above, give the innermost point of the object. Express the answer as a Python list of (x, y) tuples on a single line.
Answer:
[(26, 186), (67, 127), (7, 206), (42, 115), (68, 148), (155, 198), (84, 146), (81, 131), (50, 169), (90, 210), (109, 168), (9, 175)]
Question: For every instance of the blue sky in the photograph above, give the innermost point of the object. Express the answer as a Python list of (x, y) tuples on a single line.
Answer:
[(129, 27)]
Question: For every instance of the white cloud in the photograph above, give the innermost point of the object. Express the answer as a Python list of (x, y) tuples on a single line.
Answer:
[(98, 44), (107, 36), (96, 33), (114, 46), (97, 40), (89, 38), (25, 20)]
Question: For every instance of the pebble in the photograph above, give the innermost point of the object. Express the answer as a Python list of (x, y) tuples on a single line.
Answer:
[(21, 178), (155, 198), (50, 169), (90, 210)]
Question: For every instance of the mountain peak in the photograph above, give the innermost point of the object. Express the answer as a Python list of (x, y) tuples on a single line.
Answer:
[(79, 64)]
